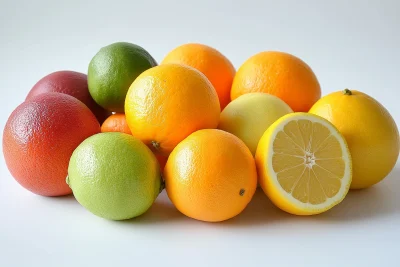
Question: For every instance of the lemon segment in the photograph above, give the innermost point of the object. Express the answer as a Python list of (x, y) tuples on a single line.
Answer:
[(304, 164)]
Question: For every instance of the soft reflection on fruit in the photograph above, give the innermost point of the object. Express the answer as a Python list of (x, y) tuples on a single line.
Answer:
[(280, 74), (214, 65), (250, 115), (71, 83), (113, 69), (39, 138), (211, 176), (167, 103), (370, 131)]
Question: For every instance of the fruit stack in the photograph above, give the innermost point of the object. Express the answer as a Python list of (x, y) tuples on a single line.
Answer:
[(193, 125)]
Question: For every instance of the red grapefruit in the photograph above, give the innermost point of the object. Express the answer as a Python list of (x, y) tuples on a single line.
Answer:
[(39, 138), (71, 83)]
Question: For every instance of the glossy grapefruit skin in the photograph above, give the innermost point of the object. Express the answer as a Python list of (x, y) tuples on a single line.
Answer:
[(39, 138), (71, 83)]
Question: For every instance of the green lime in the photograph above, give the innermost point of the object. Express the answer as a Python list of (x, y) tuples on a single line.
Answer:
[(114, 176), (113, 69)]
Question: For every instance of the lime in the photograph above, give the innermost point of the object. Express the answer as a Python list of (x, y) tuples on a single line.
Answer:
[(114, 176), (113, 69)]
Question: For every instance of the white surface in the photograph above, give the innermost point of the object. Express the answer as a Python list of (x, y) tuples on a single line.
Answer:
[(351, 44)]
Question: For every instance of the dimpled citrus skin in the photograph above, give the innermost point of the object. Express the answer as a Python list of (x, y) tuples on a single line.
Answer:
[(370, 132), (116, 123), (114, 176), (167, 103), (39, 138), (71, 83), (113, 69), (211, 176), (214, 65), (279, 74), (250, 115)]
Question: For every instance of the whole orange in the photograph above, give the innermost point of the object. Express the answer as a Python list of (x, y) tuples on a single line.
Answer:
[(211, 176), (217, 68), (39, 138), (167, 103), (116, 123), (279, 74)]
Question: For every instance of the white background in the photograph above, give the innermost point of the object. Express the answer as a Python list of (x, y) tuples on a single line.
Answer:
[(352, 44)]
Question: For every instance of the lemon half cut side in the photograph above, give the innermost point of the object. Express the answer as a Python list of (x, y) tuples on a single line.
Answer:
[(304, 164)]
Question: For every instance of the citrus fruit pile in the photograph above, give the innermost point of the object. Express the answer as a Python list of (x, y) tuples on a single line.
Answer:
[(196, 127)]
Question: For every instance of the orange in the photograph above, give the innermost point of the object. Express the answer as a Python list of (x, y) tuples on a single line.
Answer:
[(39, 138), (217, 68), (167, 103), (211, 176), (116, 123), (279, 74)]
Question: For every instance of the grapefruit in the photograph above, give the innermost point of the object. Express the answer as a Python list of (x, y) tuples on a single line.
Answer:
[(71, 83), (39, 138)]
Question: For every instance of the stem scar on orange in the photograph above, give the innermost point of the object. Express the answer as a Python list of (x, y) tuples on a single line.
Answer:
[(117, 123), (167, 103)]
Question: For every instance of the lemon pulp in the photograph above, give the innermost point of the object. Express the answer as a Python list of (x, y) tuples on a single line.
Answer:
[(305, 164)]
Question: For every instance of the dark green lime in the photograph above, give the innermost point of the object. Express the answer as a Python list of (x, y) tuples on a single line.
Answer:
[(113, 69)]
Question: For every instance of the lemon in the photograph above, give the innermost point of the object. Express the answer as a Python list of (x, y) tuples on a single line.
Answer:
[(370, 131), (304, 165), (250, 115)]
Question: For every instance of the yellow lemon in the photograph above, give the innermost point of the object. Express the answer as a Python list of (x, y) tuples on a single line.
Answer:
[(304, 165), (250, 115), (370, 131)]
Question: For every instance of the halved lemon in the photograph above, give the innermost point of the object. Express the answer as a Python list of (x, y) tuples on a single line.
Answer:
[(304, 164)]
